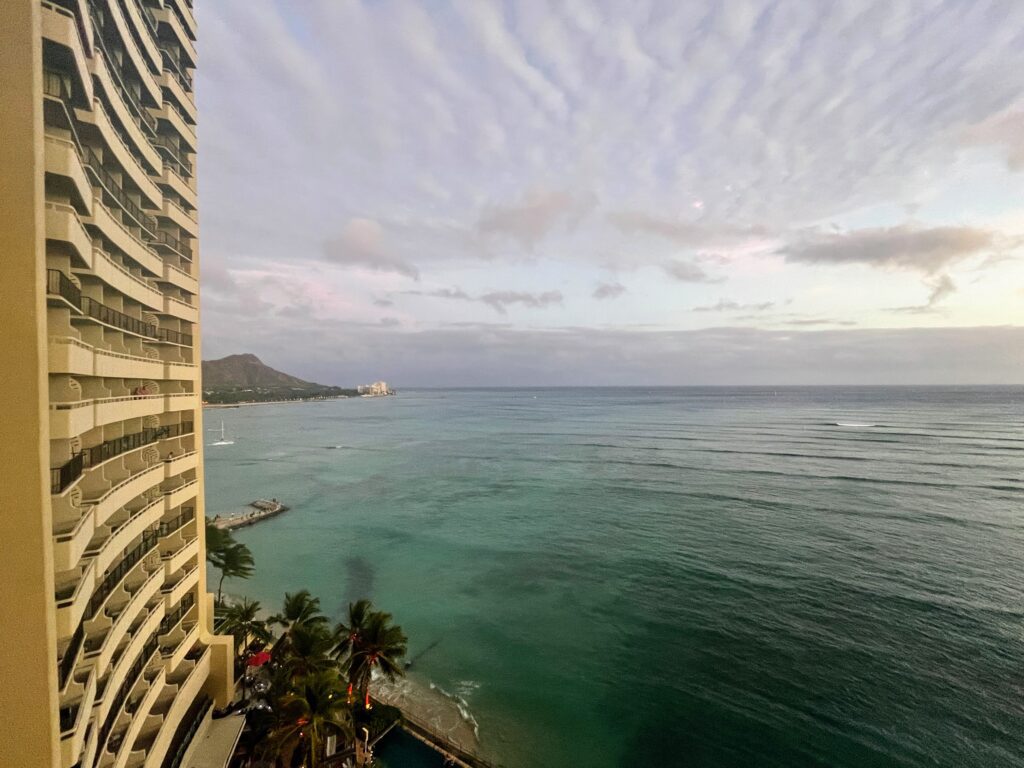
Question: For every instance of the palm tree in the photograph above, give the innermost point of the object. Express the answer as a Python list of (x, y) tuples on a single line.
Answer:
[(308, 651), (347, 635), (235, 562), (306, 716), (299, 609), (217, 539), (242, 621), (381, 645)]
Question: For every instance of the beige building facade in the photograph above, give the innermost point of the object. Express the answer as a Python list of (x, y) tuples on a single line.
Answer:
[(108, 657)]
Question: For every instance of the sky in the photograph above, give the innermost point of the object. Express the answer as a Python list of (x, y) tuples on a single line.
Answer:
[(476, 193)]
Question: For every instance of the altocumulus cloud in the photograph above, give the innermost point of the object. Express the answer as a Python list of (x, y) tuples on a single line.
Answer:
[(361, 244), (926, 250)]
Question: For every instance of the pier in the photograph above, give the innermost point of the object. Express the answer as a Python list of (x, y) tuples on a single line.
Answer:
[(262, 509)]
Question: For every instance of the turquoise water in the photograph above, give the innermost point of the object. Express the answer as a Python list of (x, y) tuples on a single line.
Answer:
[(700, 577)]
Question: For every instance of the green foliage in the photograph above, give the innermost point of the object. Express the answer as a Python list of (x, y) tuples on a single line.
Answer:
[(310, 673), (234, 561), (242, 622)]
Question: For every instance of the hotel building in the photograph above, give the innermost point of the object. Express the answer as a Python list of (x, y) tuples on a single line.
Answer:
[(108, 656)]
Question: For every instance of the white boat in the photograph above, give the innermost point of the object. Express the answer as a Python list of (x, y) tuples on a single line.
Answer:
[(223, 440)]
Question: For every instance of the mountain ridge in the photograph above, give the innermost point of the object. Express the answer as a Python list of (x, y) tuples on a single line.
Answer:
[(245, 378)]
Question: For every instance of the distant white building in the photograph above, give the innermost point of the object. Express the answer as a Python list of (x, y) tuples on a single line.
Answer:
[(377, 389)]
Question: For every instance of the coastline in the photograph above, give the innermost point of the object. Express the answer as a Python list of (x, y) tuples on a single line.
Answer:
[(292, 400)]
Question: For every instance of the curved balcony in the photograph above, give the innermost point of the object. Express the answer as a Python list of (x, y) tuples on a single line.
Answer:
[(73, 356), (73, 601), (168, 336), (74, 721), (172, 178), (112, 539), (181, 494), (174, 592), (123, 281), (63, 223), (64, 477), (139, 710), (167, 242), (113, 189), (111, 708), (126, 661), (175, 559), (141, 19), (170, 114), (182, 462), (125, 240), (179, 217), (181, 36), (180, 279), (71, 419), (179, 644), (139, 125), (180, 309), (101, 647), (61, 27), (117, 24), (127, 161), (185, 16), (70, 546), (123, 580), (63, 159), (189, 678), (173, 84)]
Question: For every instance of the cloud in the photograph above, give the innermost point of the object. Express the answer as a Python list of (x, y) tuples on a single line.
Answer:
[(609, 290), (383, 303), (941, 287), (361, 244), (688, 234), (537, 214), (494, 355), (496, 300), (812, 321), (901, 247), (688, 272), (1004, 130), (726, 305), (500, 300)]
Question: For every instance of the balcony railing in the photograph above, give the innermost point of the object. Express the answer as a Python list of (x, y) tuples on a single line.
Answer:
[(187, 731), (176, 69), (187, 516), (142, 219), (146, 121), (112, 579), (126, 687), (176, 245), (105, 314), (174, 337), (171, 152), (62, 477), (172, 619), (67, 661), (59, 284)]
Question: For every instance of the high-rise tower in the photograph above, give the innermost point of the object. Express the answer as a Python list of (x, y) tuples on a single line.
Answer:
[(108, 656)]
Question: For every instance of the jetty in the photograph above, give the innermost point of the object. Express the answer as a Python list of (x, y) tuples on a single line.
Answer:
[(261, 509)]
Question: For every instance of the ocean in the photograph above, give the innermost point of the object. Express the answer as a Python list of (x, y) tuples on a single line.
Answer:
[(668, 577)]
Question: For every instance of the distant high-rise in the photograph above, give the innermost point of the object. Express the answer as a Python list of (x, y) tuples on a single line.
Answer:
[(108, 652)]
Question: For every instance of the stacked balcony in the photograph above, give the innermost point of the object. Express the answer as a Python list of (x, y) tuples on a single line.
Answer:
[(122, 311)]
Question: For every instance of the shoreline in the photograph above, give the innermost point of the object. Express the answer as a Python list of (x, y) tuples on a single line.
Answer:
[(276, 402), (292, 400)]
